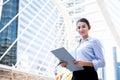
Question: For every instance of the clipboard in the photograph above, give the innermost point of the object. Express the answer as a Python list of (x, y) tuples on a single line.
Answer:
[(63, 54)]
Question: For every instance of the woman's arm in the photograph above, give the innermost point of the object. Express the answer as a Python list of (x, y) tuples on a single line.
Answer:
[(98, 53)]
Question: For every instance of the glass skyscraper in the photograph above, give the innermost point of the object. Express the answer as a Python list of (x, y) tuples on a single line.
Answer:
[(34, 28), (39, 26), (9, 34)]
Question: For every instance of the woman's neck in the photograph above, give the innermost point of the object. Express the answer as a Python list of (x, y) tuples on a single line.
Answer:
[(85, 37)]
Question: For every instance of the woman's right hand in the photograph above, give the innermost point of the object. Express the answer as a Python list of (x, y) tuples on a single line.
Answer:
[(63, 63)]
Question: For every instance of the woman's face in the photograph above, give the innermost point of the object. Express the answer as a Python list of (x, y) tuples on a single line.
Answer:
[(82, 29)]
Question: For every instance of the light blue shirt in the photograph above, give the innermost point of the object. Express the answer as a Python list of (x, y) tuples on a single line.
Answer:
[(89, 49)]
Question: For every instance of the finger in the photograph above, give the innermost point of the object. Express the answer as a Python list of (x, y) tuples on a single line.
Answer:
[(60, 63)]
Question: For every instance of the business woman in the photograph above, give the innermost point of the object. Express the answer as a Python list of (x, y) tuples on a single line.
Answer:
[(87, 53)]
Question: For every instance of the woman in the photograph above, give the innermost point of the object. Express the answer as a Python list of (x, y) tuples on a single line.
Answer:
[(88, 53)]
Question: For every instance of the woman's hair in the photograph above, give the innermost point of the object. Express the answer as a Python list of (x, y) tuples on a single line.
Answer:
[(84, 20)]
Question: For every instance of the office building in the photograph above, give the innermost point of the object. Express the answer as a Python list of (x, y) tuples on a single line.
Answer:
[(9, 34), (40, 28)]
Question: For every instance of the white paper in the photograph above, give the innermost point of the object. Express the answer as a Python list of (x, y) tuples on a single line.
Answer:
[(63, 54)]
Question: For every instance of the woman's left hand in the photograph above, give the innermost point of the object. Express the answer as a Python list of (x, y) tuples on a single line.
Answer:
[(79, 63)]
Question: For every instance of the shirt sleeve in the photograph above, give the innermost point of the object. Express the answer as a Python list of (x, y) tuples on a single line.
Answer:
[(98, 61)]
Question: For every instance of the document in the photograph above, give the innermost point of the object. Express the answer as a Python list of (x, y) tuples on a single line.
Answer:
[(63, 54)]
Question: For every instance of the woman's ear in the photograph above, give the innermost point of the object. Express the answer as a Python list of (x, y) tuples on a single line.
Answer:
[(89, 27)]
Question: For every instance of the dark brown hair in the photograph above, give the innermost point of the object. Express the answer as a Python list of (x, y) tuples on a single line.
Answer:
[(84, 20)]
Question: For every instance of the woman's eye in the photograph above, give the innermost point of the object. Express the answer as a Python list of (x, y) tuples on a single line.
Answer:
[(78, 27), (83, 26)]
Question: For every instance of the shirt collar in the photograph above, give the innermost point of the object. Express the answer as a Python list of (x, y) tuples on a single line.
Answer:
[(87, 39)]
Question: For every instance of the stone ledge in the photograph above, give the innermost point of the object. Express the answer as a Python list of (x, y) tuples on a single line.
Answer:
[(9, 74)]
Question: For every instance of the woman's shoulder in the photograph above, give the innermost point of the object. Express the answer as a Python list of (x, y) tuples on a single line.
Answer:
[(94, 39)]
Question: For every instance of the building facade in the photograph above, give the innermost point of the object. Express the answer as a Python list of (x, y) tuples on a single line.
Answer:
[(40, 27), (35, 28), (9, 34)]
